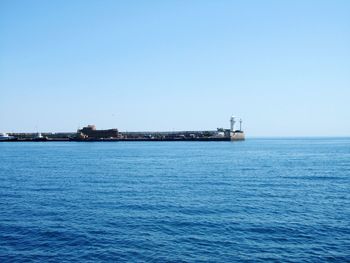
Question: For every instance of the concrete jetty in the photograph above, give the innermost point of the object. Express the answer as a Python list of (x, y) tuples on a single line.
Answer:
[(91, 134)]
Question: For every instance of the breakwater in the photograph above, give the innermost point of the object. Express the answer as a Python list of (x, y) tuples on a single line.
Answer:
[(127, 136), (91, 134)]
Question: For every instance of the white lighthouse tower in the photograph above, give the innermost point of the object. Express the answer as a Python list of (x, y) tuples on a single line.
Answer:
[(236, 135), (232, 121)]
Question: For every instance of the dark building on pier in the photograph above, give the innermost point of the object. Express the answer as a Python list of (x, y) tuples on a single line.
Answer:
[(90, 132)]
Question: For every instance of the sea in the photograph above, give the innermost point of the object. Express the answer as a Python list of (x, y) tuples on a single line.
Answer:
[(259, 200)]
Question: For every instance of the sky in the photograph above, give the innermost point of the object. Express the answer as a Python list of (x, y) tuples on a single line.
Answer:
[(282, 66)]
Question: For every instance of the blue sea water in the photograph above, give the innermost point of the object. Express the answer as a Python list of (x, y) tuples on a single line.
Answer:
[(261, 200)]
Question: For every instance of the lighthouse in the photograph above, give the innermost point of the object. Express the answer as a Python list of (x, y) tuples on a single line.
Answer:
[(236, 135), (232, 121)]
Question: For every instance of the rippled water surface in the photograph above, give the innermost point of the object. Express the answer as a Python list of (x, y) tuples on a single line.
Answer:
[(285, 200)]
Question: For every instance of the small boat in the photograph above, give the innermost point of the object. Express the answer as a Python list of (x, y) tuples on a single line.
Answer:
[(39, 137), (6, 137)]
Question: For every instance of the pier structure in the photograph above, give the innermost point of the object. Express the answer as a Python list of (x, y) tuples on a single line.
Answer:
[(90, 133)]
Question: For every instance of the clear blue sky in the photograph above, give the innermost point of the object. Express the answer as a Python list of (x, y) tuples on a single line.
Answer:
[(283, 66)]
